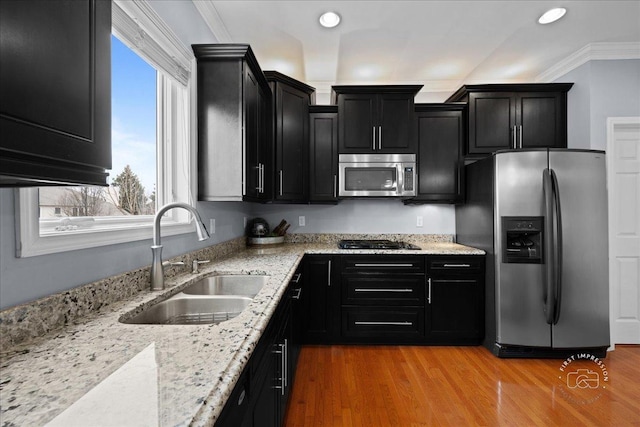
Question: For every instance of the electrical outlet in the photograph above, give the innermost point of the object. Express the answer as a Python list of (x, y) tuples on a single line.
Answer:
[(419, 221), (212, 226), (301, 221), (245, 223)]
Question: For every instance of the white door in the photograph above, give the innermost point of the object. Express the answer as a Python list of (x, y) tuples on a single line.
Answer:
[(623, 176)]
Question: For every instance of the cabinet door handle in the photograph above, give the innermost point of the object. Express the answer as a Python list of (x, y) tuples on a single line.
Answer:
[(429, 293), (514, 138), (520, 132), (384, 323), (382, 290), (382, 265), (285, 365), (329, 273), (262, 176), (457, 265), (335, 185), (281, 180), (242, 396), (373, 138), (298, 293), (296, 278), (379, 137)]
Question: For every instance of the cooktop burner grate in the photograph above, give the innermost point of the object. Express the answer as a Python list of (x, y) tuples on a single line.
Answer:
[(375, 244)]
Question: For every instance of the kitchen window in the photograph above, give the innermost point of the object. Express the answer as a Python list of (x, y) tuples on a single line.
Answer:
[(59, 219)]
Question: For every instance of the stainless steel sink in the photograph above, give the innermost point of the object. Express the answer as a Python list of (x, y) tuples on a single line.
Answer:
[(182, 310), (232, 284)]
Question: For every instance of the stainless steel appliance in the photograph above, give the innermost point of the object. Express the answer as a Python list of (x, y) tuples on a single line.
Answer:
[(377, 175), (541, 216), (376, 244)]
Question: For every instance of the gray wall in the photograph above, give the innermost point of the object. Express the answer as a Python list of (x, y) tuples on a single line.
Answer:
[(362, 216), (601, 89)]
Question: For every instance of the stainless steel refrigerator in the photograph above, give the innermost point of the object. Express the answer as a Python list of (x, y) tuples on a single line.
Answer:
[(541, 216)]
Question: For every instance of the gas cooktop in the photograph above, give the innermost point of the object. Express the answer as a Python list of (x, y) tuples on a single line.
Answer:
[(375, 244)]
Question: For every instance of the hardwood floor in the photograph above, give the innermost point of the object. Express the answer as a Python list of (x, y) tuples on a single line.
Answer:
[(460, 386)]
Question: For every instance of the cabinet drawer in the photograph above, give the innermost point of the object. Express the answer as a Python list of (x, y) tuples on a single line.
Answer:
[(382, 263), (383, 324), (456, 265), (361, 289)]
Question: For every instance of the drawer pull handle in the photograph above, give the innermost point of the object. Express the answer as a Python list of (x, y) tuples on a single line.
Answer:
[(382, 290), (296, 278), (386, 323), (383, 265), (241, 397), (457, 265)]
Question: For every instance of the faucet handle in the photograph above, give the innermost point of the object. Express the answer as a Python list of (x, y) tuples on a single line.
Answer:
[(172, 264), (196, 263)]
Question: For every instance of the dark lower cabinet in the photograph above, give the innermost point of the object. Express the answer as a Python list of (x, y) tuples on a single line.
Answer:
[(236, 411), (260, 396), (55, 92), (357, 299), (382, 299), (455, 300), (321, 299)]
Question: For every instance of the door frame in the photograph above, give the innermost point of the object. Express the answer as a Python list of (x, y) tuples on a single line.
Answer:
[(613, 124)]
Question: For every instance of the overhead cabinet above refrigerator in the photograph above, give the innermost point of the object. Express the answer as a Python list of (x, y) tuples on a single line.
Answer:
[(514, 116), (541, 215)]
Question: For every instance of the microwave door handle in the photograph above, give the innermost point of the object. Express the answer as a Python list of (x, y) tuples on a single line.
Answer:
[(399, 179)]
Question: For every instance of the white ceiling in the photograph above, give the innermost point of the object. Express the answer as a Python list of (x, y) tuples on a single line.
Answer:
[(440, 44)]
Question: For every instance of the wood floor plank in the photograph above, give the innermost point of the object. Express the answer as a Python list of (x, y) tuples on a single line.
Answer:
[(367, 386)]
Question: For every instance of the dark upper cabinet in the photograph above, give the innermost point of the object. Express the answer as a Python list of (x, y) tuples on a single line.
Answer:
[(259, 142), (376, 119), (441, 130), (234, 102), (323, 153), (55, 92), (515, 116), (291, 100)]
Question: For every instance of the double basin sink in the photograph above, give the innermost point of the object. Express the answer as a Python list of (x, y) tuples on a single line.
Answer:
[(210, 300)]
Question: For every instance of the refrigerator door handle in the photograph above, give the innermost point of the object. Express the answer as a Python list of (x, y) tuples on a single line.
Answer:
[(558, 249), (549, 257)]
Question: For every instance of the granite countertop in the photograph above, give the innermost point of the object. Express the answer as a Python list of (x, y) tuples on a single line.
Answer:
[(99, 371)]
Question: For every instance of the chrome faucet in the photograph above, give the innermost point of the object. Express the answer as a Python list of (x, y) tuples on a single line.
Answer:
[(157, 269)]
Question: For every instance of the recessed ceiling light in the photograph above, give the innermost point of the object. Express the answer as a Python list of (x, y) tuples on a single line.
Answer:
[(552, 15), (329, 19)]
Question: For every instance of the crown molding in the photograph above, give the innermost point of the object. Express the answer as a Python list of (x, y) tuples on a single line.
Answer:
[(213, 20), (591, 52)]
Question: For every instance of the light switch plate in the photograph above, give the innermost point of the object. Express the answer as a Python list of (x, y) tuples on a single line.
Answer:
[(301, 221), (212, 226), (419, 221)]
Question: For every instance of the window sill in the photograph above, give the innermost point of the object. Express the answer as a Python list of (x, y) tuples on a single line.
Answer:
[(31, 242)]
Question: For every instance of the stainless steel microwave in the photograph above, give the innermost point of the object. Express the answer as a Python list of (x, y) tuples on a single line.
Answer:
[(377, 175)]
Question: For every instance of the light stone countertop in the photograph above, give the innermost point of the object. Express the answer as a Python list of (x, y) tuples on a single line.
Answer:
[(101, 372)]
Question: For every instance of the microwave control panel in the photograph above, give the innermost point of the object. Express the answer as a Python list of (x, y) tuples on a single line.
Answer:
[(408, 178)]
